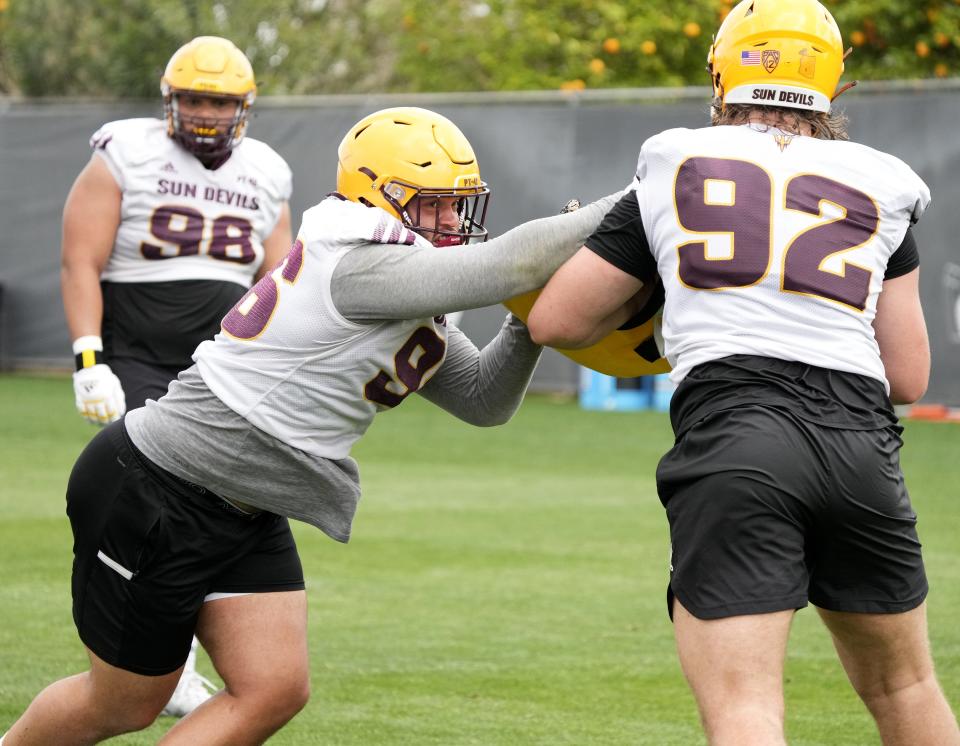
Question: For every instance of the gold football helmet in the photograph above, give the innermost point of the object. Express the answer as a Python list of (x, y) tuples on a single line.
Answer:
[(212, 67), (394, 155), (777, 53)]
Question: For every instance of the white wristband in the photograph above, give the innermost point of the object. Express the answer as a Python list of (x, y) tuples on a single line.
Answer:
[(89, 342)]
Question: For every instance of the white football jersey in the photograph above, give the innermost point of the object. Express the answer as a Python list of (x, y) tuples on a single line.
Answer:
[(288, 362), (773, 245), (181, 221)]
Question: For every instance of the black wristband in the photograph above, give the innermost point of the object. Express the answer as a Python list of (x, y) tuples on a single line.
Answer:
[(88, 358)]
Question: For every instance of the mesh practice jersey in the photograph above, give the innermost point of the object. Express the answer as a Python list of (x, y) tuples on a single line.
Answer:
[(289, 363), (769, 244), (181, 221)]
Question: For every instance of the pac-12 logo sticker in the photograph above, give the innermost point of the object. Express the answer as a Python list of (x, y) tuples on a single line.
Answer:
[(770, 59)]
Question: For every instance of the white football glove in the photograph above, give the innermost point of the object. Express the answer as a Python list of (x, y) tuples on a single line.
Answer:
[(99, 395)]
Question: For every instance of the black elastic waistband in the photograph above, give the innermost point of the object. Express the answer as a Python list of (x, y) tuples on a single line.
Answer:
[(825, 397), (185, 486), (223, 502)]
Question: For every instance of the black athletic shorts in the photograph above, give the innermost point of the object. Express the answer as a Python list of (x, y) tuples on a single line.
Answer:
[(769, 510), (151, 329), (149, 547), (141, 380)]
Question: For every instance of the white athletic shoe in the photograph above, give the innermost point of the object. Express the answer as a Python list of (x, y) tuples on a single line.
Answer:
[(191, 692)]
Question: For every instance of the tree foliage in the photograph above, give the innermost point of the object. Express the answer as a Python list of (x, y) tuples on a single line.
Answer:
[(118, 48)]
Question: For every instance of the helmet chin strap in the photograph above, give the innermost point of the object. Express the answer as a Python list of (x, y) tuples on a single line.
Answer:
[(847, 86), (446, 240), (844, 88)]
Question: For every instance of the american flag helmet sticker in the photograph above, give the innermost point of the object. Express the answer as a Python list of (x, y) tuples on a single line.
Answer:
[(750, 58)]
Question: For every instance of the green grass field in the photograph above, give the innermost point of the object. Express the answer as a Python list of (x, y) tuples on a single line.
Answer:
[(504, 586)]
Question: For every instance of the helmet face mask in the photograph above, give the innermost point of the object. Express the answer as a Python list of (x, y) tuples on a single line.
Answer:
[(784, 53), (412, 162), (422, 213), (206, 136), (208, 68)]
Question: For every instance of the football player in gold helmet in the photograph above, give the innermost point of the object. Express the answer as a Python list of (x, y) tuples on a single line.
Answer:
[(792, 320), (151, 262), (180, 509)]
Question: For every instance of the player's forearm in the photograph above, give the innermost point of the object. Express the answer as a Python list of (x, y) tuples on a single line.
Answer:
[(387, 282), (901, 333), (908, 373), (82, 300), (485, 387), (567, 329)]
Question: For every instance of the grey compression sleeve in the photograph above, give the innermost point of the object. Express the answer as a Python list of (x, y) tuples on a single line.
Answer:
[(485, 387), (377, 281)]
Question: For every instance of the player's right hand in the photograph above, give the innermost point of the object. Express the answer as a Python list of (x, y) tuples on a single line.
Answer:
[(99, 395)]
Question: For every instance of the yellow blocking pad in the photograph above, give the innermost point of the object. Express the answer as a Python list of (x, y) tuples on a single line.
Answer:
[(614, 355)]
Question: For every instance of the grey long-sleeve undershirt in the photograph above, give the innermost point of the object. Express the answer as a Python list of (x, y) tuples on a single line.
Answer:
[(485, 387), (376, 281)]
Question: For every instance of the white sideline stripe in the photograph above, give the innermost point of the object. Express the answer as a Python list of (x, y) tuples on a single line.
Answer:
[(217, 597), (113, 565)]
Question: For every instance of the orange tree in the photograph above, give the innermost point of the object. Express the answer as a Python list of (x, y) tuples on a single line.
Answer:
[(527, 44), (118, 47)]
